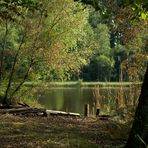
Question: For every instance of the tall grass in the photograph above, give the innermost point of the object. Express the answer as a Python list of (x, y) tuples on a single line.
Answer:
[(120, 100), (102, 102), (96, 99), (117, 99)]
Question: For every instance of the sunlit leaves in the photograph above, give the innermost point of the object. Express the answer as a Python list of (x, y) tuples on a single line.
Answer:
[(66, 21), (144, 15), (11, 9), (63, 38)]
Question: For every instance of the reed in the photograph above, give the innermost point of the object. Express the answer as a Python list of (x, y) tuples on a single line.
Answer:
[(96, 100), (119, 99)]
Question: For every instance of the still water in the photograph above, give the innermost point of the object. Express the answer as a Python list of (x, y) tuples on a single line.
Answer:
[(73, 99)]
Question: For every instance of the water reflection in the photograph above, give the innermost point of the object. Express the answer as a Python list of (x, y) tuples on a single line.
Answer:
[(73, 99)]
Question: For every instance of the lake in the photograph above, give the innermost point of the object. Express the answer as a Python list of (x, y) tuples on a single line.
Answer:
[(73, 99)]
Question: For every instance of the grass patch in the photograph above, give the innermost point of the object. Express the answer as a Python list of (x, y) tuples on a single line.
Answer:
[(80, 84)]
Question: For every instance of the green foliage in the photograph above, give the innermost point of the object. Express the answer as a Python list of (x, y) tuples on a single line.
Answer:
[(101, 62), (70, 39), (12, 10), (55, 40), (137, 60), (66, 22), (103, 39), (39, 46), (140, 8)]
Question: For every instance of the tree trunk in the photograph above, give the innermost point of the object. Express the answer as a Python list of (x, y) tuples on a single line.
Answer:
[(138, 137)]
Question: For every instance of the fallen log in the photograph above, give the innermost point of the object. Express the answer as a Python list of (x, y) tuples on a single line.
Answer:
[(36, 111), (23, 110), (62, 113)]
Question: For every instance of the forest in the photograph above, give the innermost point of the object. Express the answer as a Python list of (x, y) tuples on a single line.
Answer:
[(98, 48)]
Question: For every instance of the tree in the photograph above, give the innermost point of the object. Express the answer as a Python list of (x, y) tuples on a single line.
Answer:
[(136, 61), (12, 12), (139, 133), (40, 41), (66, 28), (138, 137), (101, 62)]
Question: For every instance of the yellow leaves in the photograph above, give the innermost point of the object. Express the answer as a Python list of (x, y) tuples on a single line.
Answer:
[(135, 66)]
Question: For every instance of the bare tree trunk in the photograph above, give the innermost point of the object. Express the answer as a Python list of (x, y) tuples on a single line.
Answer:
[(138, 137), (23, 81)]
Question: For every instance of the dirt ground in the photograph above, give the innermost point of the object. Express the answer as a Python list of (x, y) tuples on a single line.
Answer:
[(60, 132)]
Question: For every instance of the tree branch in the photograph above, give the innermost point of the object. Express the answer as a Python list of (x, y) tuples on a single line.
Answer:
[(3, 49), (12, 71)]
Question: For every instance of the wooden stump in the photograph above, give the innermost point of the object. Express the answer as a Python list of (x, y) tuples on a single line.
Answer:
[(86, 110), (97, 112)]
